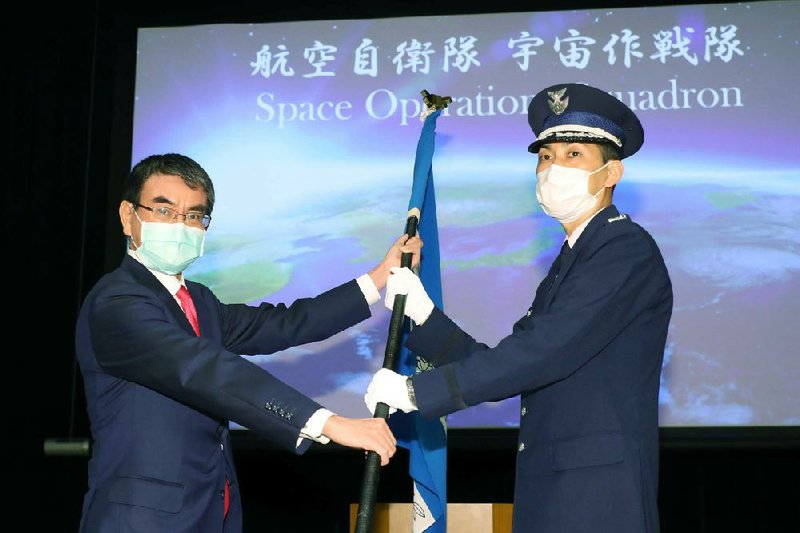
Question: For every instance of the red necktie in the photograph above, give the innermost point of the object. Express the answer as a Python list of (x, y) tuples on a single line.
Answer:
[(188, 308), (191, 314)]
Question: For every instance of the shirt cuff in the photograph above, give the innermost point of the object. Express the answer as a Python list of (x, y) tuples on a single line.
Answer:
[(313, 428), (368, 288)]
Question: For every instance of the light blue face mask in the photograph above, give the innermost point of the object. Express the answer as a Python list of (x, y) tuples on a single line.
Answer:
[(169, 248)]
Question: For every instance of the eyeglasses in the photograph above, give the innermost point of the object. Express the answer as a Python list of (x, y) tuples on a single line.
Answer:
[(162, 213)]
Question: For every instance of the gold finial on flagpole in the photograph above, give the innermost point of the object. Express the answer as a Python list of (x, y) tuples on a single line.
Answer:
[(433, 102)]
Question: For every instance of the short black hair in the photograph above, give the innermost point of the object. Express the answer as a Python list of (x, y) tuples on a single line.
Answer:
[(192, 174), (609, 152)]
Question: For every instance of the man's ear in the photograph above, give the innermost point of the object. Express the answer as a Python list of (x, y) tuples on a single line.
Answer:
[(615, 168), (125, 214)]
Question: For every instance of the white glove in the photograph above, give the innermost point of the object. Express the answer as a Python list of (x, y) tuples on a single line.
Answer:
[(390, 388), (418, 304)]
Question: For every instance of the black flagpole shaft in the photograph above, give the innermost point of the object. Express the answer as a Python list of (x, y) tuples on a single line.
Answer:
[(372, 470)]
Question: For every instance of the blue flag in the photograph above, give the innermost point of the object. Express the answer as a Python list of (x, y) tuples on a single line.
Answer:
[(425, 439)]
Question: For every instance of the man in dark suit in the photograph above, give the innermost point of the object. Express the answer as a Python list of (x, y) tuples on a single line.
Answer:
[(585, 357), (163, 371)]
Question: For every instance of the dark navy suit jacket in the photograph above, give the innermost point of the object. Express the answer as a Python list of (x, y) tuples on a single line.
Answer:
[(586, 359), (159, 398)]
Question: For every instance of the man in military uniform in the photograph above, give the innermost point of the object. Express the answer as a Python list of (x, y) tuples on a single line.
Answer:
[(585, 357)]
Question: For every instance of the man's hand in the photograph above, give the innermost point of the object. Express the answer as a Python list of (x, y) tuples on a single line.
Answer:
[(419, 306), (402, 245), (390, 388), (371, 434)]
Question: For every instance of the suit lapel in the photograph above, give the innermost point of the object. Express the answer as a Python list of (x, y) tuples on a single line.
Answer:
[(568, 257), (203, 315), (147, 279)]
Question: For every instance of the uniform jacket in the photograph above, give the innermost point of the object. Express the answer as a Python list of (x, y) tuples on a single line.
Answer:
[(159, 397), (586, 359)]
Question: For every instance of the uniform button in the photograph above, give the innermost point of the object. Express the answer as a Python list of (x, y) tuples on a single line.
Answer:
[(530, 312), (222, 494), (221, 446), (521, 447), (523, 411)]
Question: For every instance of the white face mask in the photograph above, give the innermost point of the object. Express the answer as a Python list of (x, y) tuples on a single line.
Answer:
[(563, 192), (169, 248)]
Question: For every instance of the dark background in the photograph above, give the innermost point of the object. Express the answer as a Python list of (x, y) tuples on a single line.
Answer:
[(67, 97)]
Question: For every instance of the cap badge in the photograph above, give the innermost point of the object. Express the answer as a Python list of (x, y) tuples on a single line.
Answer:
[(557, 103)]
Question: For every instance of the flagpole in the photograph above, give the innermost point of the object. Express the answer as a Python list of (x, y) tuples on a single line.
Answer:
[(433, 104), (369, 482)]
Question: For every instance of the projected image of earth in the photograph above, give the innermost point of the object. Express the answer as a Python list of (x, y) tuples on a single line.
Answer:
[(733, 255)]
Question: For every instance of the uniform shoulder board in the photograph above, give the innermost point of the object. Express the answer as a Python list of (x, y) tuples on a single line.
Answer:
[(618, 218)]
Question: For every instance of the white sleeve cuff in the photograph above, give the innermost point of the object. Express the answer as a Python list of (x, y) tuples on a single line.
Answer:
[(313, 428), (368, 288)]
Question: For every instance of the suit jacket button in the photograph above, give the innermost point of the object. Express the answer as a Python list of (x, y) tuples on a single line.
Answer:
[(521, 447), (523, 411)]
